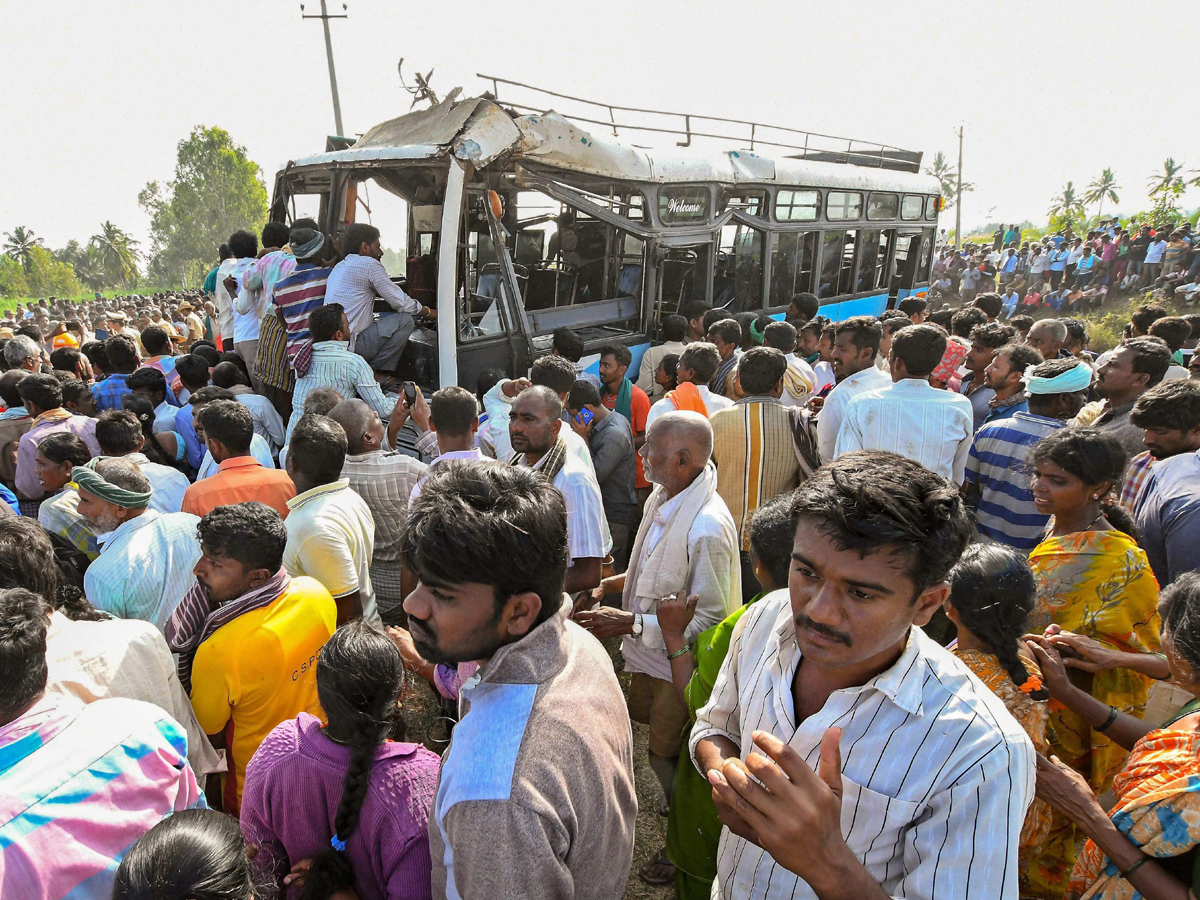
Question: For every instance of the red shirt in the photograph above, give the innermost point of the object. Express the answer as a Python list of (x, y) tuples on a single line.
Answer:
[(639, 409)]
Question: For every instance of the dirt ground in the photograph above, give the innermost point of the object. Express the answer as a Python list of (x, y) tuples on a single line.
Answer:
[(422, 711)]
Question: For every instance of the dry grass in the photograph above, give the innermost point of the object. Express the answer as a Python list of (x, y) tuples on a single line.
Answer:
[(422, 709)]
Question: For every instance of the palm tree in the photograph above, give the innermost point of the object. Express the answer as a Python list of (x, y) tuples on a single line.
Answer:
[(948, 178), (19, 245), (1066, 203), (89, 268), (1103, 188), (1168, 179), (118, 252)]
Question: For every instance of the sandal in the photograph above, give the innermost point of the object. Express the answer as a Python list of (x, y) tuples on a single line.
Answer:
[(658, 870)]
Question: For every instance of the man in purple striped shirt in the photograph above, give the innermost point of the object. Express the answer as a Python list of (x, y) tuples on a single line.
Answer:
[(298, 294)]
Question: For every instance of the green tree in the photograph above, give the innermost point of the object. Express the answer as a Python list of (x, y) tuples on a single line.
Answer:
[(942, 171), (72, 253), (19, 244), (217, 189), (12, 278), (1066, 205), (1103, 188), (90, 269), (1168, 180), (118, 254), (48, 276)]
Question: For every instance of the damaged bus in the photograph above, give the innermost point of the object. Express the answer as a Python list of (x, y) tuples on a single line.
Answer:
[(522, 220)]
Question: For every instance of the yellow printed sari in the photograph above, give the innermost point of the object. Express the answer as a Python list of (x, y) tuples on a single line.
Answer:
[(1099, 584)]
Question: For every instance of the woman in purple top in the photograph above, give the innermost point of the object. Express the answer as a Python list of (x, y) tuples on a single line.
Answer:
[(341, 807)]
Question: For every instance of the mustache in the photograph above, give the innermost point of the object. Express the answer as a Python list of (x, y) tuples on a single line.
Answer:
[(805, 622)]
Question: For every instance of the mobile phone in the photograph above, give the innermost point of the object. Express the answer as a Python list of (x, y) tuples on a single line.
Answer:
[(584, 417), (410, 393)]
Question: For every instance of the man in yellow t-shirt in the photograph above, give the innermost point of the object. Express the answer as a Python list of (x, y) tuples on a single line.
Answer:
[(248, 636)]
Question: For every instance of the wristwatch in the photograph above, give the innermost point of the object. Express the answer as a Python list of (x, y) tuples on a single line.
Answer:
[(637, 623)]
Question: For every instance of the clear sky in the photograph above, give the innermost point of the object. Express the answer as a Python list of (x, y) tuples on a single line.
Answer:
[(97, 95)]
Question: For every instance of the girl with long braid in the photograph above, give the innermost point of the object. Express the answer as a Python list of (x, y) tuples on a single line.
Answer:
[(340, 807), (992, 592)]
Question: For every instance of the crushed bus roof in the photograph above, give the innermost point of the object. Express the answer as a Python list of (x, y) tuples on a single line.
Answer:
[(479, 130)]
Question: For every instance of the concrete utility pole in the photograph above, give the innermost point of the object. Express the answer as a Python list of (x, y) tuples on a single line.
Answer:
[(957, 195), (325, 17)]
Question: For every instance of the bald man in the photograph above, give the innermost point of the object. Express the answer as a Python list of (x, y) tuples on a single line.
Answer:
[(384, 479), (687, 544)]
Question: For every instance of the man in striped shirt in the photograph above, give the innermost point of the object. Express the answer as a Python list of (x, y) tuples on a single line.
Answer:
[(997, 474), (882, 767), (297, 294)]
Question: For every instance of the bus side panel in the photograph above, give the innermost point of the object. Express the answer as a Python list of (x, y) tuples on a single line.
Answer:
[(912, 292), (873, 305)]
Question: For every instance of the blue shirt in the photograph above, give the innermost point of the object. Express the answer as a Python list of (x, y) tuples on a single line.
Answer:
[(998, 463), (10, 498), (191, 441), (108, 393), (1168, 514), (1004, 412)]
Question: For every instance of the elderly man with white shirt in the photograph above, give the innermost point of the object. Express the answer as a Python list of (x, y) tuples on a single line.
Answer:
[(911, 417), (855, 346)]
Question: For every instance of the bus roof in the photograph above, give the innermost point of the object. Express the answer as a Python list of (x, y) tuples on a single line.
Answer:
[(480, 131)]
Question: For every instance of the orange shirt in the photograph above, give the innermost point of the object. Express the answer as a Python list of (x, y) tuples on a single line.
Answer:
[(238, 480), (639, 410)]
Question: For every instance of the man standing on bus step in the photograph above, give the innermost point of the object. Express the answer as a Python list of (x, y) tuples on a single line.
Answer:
[(621, 395), (355, 283)]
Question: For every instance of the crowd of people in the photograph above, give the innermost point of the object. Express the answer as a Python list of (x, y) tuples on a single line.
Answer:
[(1062, 272), (910, 605)]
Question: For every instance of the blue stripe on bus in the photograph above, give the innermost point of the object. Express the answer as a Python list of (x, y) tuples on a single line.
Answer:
[(859, 306), (912, 292)]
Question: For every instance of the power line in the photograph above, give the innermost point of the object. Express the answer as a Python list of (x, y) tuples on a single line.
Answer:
[(325, 17)]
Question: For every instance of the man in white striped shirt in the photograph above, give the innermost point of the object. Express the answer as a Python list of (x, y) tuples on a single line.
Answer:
[(884, 767)]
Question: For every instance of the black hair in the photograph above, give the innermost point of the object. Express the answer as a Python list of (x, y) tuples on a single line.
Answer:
[(1022, 356), (745, 320), (1174, 330), (865, 332), (121, 353), (210, 355), (10, 383), (230, 423), (869, 500), (144, 410), (118, 432), (30, 331), (805, 304), (921, 348), (772, 537), (1172, 404), (208, 394), (43, 390), (567, 343), (990, 303), (224, 252), (360, 676), (1180, 609), (358, 234), (554, 372), (318, 449), (487, 380), (760, 369), (912, 305), (942, 318), (63, 446), (193, 371), (505, 526), (1076, 330), (1146, 315), (320, 401), (66, 359), (583, 393), (669, 364), (1094, 457), (963, 321), (703, 359), (235, 360), (781, 336), (889, 314), (992, 335), (274, 234), (251, 532), (619, 352), (228, 374), (243, 244), (993, 591), (696, 309), (325, 321), (195, 854), (23, 669), (674, 328), (155, 340), (1150, 355), (453, 411), (727, 330), (149, 379)]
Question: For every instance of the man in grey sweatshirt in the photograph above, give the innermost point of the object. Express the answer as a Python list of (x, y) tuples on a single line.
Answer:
[(536, 796)]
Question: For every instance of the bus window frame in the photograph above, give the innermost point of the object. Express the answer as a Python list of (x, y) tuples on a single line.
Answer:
[(920, 207), (829, 195), (892, 216), (818, 209)]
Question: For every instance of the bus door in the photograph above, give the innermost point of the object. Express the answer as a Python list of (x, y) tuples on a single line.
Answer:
[(738, 280), (904, 264)]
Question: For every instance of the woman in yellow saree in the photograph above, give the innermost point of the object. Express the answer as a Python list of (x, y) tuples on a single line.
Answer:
[(1093, 580), (1149, 844)]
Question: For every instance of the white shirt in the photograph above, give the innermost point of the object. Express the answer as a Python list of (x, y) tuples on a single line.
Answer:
[(259, 449), (650, 360), (829, 420), (587, 527), (267, 422), (472, 455), (164, 417), (799, 373), (224, 303), (166, 484), (824, 372), (144, 567), (712, 403), (249, 306), (931, 426), (1155, 251), (355, 282), (498, 406), (936, 774)]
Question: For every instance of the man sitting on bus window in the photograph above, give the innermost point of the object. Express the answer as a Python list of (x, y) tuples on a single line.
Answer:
[(355, 283), (695, 368)]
